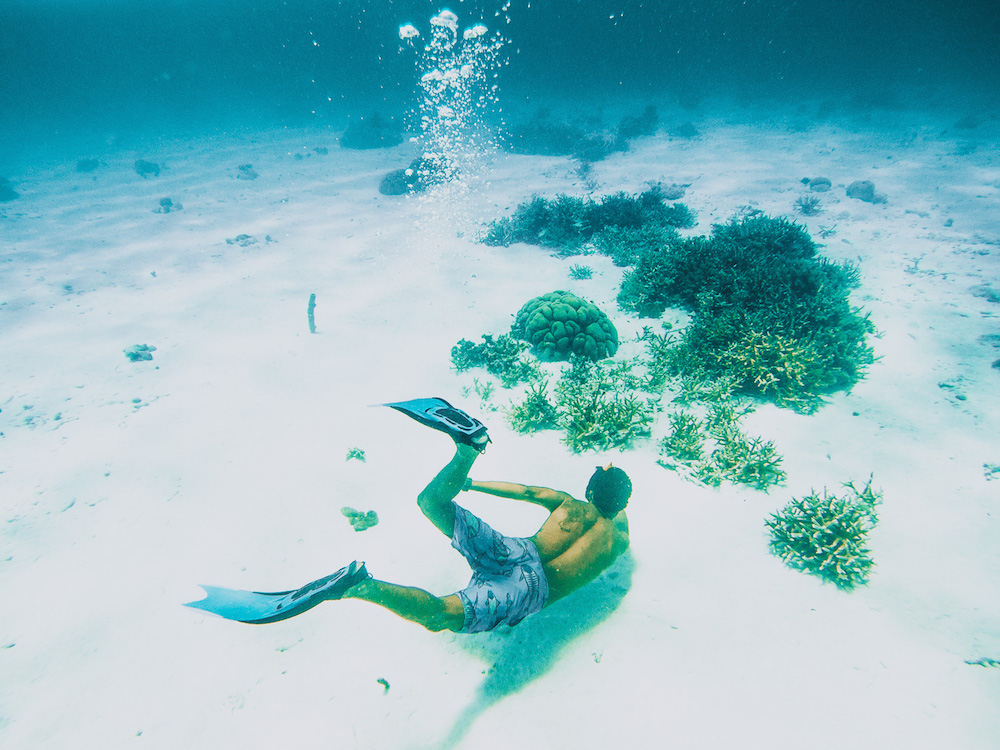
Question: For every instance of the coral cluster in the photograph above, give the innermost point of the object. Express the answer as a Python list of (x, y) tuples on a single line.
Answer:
[(502, 357), (827, 535), (246, 172), (596, 403), (568, 223), (421, 174), (714, 449), (686, 441), (599, 407), (559, 324), (766, 312), (817, 184), (535, 412), (625, 245)]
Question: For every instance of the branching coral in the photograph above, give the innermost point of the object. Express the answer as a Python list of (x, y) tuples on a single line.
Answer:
[(686, 441), (626, 245), (714, 450), (567, 223), (501, 356), (827, 535), (599, 407), (741, 459), (767, 314), (535, 412)]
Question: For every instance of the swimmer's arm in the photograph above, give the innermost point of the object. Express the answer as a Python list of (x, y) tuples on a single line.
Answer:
[(621, 523), (547, 498)]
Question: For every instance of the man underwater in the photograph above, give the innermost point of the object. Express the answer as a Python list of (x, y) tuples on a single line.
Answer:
[(511, 577)]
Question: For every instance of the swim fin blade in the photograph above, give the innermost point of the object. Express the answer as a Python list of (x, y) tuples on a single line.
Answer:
[(260, 607), (438, 414)]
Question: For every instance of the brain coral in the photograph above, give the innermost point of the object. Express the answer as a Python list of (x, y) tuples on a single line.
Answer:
[(559, 324)]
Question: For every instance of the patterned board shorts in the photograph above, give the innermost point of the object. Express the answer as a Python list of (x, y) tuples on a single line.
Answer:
[(508, 581)]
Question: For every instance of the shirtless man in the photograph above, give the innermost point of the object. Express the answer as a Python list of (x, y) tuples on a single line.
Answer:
[(512, 577)]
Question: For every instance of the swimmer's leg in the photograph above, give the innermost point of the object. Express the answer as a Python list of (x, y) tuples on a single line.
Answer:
[(416, 605), (435, 501)]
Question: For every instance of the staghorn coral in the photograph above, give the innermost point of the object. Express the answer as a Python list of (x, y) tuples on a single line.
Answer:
[(599, 407), (741, 459), (766, 313), (535, 412), (567, 223), (827, 535), (501, 356), (686, 441), (715, 449)]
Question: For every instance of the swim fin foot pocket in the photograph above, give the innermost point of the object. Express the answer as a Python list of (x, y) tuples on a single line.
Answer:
[(438, 414), (260, 607)]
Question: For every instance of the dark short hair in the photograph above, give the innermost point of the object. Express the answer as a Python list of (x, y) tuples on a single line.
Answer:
[(609, 490)]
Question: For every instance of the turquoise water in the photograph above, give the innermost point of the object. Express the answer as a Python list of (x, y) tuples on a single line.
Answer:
[(273, 283), (72, 66)]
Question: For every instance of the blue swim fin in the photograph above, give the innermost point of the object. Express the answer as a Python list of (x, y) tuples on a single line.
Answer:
[(258, 607), (440, 415)]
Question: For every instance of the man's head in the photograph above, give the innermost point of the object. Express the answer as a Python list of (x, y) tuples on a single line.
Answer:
[(609, 490)]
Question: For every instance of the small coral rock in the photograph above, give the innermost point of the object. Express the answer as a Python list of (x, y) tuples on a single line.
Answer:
[(420, 175), (246, 172), (360, 520), (140, 352), (167, 206), (864, 190), (146, 169), (559, 324), (820, 184), (397, 182), (243, 240), (7, 193)]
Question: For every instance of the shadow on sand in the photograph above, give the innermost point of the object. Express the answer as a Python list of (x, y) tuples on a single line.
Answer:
[(524, 653)]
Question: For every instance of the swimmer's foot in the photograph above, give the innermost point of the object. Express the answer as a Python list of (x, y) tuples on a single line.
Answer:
[(259, 607), (478, 439), (440, 415), (345, 579)]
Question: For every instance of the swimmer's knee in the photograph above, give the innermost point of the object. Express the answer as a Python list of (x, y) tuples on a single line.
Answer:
[(440, 512), (426, 500), (446, 615), (435, 625)]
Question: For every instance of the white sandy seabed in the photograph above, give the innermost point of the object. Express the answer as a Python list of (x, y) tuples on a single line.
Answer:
[(222, 460)]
